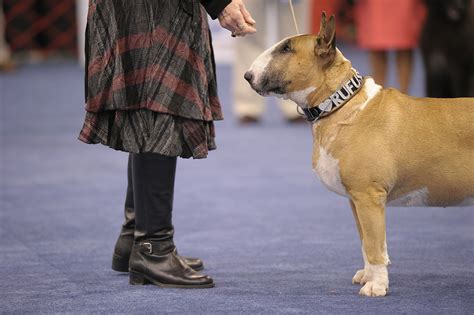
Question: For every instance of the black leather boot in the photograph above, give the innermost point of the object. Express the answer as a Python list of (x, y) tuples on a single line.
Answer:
[(154, 258), (123, 246)]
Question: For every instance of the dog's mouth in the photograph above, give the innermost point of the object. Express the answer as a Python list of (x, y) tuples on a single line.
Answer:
[(266, 92), (277, 90), (268, 88)]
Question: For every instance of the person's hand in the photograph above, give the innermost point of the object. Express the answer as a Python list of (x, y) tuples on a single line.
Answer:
[(237, 19)]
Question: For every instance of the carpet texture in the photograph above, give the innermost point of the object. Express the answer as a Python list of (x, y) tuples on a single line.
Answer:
[(274, 239)]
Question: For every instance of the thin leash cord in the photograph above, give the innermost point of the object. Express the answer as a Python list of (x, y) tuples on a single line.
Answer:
[(294, 16), (292, 9)]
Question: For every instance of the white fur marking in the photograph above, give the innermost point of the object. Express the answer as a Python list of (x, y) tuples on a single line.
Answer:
[(260, 64), (367, 274), (379, 273), (366, 261), (373, 277), (328, 172), (371, 89), (377, 281), (385, 255), (417, 198), (386, 258), (300, 97)]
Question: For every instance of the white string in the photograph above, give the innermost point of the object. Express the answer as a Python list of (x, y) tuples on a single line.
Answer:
[(294, 16)]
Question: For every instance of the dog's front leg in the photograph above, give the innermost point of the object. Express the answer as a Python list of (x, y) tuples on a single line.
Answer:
[(369, 210), (359, 276), (362, 275)]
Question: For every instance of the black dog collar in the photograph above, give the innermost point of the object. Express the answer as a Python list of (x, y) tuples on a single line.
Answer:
[(336, 100)]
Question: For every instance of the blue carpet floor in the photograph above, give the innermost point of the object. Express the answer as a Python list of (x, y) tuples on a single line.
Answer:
[(275, 241)]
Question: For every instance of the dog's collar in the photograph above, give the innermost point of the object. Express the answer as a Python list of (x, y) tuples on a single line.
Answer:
[(336, 100)]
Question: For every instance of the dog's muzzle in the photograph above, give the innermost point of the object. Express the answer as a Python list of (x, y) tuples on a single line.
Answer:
[(264, 86), (249, 76)]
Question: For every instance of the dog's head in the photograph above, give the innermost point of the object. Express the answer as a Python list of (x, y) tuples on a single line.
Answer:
[(296, 66)]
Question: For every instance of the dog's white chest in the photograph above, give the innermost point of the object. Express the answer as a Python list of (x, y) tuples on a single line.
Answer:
[(328, 171)]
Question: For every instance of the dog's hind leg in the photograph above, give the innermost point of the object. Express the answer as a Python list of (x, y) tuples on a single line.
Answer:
[(370, 210)]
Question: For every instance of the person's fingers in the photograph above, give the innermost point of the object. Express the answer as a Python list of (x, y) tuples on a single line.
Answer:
[(233, 20), (242, 25), (249, 29), (239, 20), (226, 23), (247, 16), (230, 24)]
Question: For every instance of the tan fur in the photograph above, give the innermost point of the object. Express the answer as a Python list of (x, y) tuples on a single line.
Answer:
[(386, 148)]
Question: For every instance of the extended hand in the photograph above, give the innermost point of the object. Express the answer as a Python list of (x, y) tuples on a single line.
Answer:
[(237, 19)]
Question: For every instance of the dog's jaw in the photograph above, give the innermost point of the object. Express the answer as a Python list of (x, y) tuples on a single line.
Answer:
[(301, 97)]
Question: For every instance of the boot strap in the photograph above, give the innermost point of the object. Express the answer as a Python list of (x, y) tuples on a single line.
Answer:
[(157, 248)]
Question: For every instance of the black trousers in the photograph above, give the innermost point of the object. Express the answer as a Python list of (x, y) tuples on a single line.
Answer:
[(150, 193)]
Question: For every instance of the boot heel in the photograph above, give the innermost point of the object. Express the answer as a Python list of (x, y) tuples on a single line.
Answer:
[(119, 263), (137, 279)]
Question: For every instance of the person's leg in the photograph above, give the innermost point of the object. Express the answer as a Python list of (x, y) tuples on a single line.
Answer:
[(124, 243), (404, 68), (378, 63), (153, 186), (154, 258), (248, 105), (5, 53), (123, 246)]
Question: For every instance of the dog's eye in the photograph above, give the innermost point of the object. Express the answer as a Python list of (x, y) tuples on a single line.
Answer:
[(286, 48)]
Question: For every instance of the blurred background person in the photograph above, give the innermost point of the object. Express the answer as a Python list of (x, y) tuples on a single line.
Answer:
[(386, 25), (6, 62), (275, 22), (447, 47)]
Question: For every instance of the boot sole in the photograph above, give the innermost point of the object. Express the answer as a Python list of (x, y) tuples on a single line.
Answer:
[(197, 269), (119, 263), (139, 279)]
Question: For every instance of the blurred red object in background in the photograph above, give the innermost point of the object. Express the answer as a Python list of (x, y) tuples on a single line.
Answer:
[(344, 12)]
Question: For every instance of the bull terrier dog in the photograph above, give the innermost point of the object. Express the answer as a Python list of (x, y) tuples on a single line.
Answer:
[(376, 146)]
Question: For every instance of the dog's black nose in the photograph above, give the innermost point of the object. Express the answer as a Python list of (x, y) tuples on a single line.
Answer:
[(248, 76)]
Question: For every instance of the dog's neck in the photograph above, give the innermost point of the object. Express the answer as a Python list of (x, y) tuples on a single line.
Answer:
[(336, 100), (339, 83), (333, 77)]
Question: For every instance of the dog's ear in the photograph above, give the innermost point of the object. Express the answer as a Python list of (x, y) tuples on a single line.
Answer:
[(325, 46)]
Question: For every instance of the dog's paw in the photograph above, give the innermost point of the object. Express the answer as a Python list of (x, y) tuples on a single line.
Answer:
[(373, 288), (359, 275), (362, 276)]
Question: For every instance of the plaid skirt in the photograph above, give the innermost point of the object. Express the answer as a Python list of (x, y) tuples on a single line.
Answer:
[(143, 130)]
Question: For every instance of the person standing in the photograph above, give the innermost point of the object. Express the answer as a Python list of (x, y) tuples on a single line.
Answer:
[(384, 25), (151, 91), (6, 62), (249, 106)]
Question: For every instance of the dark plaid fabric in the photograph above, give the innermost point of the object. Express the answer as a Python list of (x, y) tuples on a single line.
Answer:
[(143, 130), (153, 54), (150, 76)]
